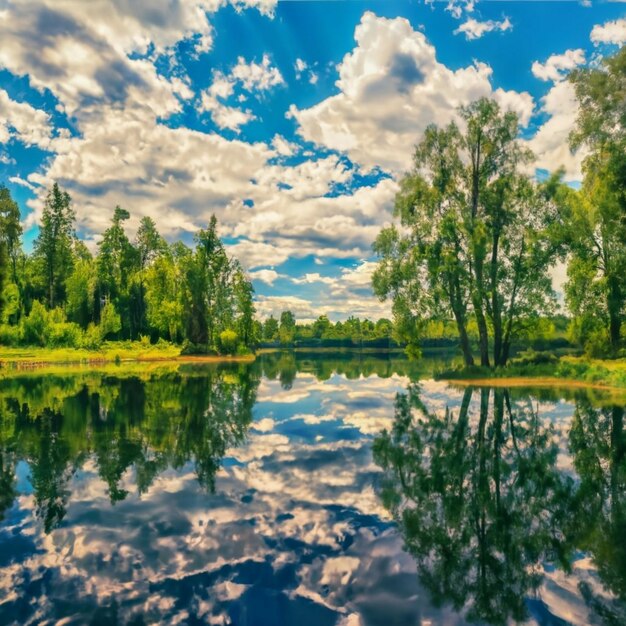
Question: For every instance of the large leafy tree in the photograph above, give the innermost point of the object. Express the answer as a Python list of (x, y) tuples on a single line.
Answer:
[(597, 270), (474, 243), (53, 246)]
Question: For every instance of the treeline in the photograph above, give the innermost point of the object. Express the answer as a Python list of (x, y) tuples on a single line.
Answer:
[(62, 295), (353, 332), (479, 236)]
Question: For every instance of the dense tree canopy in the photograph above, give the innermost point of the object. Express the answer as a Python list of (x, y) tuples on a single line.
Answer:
[(596, 289), (62, 295), (474, 242)]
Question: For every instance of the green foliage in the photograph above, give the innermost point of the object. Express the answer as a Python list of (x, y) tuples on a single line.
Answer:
[(110, 322), (476, 241), (228, 341), (596, 287), (53, 246)]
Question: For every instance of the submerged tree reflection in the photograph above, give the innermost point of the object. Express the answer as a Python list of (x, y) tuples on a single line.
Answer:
[(141, 423), (598, 444), (478, 498)]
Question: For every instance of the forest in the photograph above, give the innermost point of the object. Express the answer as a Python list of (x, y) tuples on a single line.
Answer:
[(469, 259)]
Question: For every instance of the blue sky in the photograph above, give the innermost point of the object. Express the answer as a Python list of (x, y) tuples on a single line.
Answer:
[(291, 121)]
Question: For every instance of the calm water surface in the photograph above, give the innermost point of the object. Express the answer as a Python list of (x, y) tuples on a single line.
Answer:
[(307, 491)]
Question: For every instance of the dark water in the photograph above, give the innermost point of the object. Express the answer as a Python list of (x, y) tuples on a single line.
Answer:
[(302, 492)]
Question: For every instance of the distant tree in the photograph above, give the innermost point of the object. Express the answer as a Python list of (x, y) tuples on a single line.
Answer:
[(53, 246), (270, 329), (287, 327)]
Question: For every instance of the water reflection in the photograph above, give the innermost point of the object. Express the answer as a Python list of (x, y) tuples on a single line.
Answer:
[(55, 424), (248, 495), (485, 510)]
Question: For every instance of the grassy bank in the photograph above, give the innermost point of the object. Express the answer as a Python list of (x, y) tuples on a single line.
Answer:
[(566, 370), (110, 352)]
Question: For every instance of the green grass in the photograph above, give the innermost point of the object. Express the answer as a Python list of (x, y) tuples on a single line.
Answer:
[(597, 372), (110, 352)]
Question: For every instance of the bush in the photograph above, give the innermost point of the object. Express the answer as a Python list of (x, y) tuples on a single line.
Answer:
[(110, 321), (92, 339), (532, 357), (228, 341), (10, 335), (64, 334), (35, 325)]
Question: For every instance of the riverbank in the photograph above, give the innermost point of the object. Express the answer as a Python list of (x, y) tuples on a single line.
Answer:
[(111, 352), (566, 371)]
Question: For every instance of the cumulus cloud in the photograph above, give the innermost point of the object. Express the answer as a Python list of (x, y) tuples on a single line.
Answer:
[(23, 122), (257, 76), (557, 65), (251, 77), (551, 141), (391, 87), (349, 293), (609, 33), (475, 29), (265, 276)]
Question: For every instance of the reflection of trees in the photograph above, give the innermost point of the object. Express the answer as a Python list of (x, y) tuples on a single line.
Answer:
[(598, 444), (144, 424), (284, 365), (479, 501)]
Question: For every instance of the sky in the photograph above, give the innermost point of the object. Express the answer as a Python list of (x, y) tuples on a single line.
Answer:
[(291, 121)]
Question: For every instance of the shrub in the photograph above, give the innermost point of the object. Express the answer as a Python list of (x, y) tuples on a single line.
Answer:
[(34, 325), (228, 341), (92, 339), (10, 335), (66, 334), (110, 322)]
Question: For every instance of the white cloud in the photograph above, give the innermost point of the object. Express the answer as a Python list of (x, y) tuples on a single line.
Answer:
[(391, 87), (300, 66), (257, 76), (557, 65), (223, 115), (610, 32), (313, 278), (551, 142), (265, 276), (284, 147), (474, 29), (253, 77), (21, 121)]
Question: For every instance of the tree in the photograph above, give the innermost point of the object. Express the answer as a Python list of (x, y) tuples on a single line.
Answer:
[(163, 292), (287, 328), (270, 329), (11, 231), (53, 246), (476, 242), (598, 255), (81, 286), (243, 292), (4, 266), (149, 245), (117, 261)]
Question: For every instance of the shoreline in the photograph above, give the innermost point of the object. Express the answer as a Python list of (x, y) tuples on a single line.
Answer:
[(552, 382)]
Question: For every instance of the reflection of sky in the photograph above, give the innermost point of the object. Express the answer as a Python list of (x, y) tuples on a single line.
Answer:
[(294, 534)]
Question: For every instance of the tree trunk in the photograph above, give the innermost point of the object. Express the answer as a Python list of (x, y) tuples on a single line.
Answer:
[(464, 339), (614, 306)]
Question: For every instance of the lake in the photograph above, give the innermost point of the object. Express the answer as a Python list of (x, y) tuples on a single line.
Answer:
[(350, 490)]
